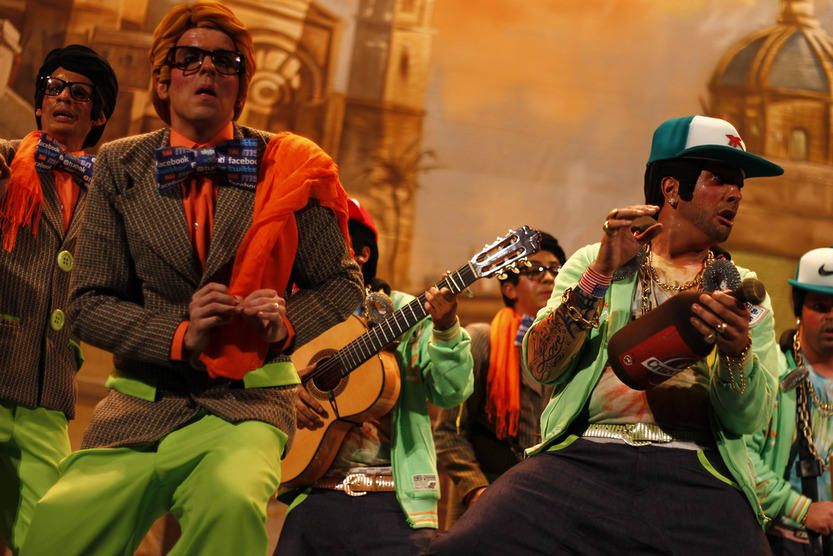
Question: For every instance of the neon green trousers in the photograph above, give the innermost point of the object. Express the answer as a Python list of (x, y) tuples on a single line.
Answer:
[(32, 444), (215, 477)]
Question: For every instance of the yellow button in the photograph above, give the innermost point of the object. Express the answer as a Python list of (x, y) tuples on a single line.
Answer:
[(56, 321), (65, 261)]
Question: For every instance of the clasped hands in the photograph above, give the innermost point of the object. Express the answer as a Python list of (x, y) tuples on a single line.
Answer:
[(212, 306)]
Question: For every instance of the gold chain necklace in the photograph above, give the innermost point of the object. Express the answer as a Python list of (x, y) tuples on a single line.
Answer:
[(802, 406), (648, 275), (826, 408)]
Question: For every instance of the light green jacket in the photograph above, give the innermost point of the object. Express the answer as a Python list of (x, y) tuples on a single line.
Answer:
[(730, 415), (435, 366), (770, 449)]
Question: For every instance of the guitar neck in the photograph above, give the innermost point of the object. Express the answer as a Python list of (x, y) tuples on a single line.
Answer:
[(371, 342)]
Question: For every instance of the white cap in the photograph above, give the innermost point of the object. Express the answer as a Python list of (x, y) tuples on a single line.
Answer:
[(815, 271)]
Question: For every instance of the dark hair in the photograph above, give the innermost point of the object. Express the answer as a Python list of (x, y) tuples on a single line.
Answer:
[(548, 243), (360, 237), (89, 63), (798, 295), (684, 170)]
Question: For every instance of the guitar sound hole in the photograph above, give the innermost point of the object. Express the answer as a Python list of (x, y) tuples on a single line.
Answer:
[(327, 376)]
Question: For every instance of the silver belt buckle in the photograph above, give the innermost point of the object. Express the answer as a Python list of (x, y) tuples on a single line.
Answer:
[(350, 480)]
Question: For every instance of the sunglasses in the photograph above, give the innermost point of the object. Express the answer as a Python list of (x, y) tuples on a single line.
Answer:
[(82, 92), (536, 270), (190, 58)]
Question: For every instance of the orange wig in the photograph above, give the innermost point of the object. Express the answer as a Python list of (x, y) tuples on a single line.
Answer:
[(208, 14)]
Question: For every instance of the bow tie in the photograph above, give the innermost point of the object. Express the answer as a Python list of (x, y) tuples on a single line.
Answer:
[(237, 159), (49, 155)]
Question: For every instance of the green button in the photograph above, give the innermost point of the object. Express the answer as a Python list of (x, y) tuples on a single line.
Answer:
[(56, 321), (65, 261)]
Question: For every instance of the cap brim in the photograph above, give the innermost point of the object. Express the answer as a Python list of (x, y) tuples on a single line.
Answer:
[(753, 166), (826, 290)]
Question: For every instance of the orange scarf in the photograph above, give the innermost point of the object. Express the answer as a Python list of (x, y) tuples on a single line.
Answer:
[(23, 201), (292, 171), (503, 384)]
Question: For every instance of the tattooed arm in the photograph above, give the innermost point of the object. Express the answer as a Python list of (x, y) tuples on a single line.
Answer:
[(553, 342)]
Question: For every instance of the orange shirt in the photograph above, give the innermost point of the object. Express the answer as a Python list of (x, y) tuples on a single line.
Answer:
[(199, 195), (68, 191)]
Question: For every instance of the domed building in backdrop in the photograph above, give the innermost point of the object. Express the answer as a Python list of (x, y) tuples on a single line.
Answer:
[(776, 86)]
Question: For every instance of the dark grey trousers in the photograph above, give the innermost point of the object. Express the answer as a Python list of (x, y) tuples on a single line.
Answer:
[(609, 498), (329, 522)]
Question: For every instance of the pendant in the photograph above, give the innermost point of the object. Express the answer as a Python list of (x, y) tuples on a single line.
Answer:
[(794, 378)]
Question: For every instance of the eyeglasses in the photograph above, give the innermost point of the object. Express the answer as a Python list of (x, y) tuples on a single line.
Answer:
[(190, 58), (536, 271), (82, 92)]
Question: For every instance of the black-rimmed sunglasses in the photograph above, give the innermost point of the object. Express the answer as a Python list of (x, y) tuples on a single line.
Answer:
[(53, 86), (536, 270), (190, 58)]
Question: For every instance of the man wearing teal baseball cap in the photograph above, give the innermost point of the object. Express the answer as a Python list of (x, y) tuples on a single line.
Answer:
[(794, 493), (657, 471)]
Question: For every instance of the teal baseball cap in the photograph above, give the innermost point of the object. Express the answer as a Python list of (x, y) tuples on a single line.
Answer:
[(815, 271), (708, 138)]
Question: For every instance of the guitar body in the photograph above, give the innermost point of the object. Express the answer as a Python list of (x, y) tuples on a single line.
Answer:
[(368, 392)]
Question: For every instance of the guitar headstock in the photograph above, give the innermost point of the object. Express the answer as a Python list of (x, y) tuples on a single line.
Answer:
[(506, 252)]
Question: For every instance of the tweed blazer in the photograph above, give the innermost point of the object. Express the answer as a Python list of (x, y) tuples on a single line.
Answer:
[(38, 358), (138, 271)]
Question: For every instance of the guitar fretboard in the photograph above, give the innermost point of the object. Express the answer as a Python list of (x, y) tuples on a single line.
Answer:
[(371, 342)]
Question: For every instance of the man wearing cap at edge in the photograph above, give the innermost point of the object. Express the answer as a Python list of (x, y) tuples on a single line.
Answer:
[(184, 275), (622, 471), (806, 364), (396, 450), (41, 210)]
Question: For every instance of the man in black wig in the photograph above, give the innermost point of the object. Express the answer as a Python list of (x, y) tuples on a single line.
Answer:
[(43, 186)]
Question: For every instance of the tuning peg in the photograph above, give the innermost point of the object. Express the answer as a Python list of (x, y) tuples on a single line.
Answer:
[(501, 276)]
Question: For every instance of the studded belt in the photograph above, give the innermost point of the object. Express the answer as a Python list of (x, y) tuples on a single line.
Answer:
[(642, 434), (359, 484)]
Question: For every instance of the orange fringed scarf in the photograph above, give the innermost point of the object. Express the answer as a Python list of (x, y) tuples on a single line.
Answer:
[(291, 173), (23, 201), (503, 384)]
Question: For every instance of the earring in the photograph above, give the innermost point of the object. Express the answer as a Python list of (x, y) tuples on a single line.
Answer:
[(673, 202)]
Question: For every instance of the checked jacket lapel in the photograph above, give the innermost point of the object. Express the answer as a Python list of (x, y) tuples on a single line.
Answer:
[(169, 234)]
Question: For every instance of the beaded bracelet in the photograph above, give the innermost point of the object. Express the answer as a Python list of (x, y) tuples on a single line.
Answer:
[(735, 364), (575, 314)]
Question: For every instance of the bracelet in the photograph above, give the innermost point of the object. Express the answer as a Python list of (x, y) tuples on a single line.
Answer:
[(803, 521), (575, 314), (735, 364), (594, 284)]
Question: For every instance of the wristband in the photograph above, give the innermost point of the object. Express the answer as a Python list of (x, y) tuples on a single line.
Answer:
[(594, 284)]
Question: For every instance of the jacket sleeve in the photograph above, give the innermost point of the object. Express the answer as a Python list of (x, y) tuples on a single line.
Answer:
[(453, 425), (749, 411), (328, 281), (106, 304), (441, 359), (779, 499)]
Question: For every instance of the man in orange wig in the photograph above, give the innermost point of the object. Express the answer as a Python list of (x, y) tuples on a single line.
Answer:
[(196, 235)]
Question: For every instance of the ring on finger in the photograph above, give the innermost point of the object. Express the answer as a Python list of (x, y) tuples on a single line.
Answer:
[(607, 229), (721, 328), (711, 337), (612, 214), (276, 306)]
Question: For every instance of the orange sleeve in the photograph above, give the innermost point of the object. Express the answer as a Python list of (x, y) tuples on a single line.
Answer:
[(177, 347), (290, 336)]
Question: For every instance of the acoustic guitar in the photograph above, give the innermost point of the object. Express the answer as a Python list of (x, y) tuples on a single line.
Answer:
[(355, 381)]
